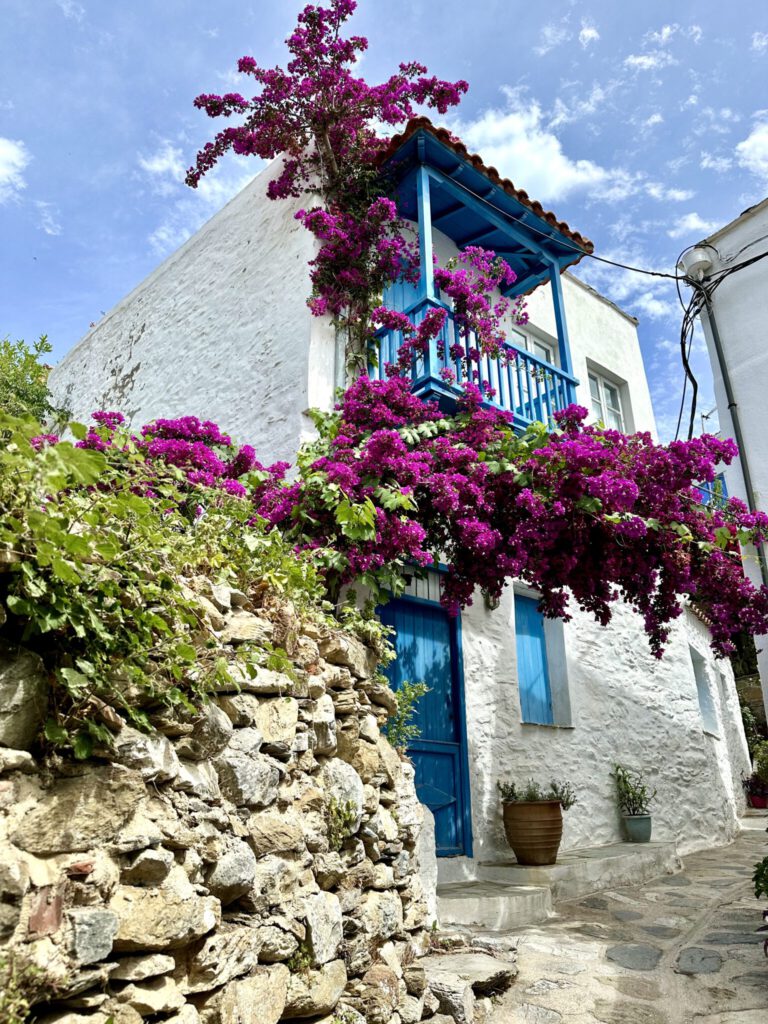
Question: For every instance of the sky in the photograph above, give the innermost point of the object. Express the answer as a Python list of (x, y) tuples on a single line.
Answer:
[(645, 126)]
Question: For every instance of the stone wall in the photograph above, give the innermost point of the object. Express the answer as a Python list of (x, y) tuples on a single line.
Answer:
[(257, 862)]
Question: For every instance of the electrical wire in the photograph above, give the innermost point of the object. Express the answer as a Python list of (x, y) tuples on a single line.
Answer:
[(691, 311), (701, 297), (567, 245)]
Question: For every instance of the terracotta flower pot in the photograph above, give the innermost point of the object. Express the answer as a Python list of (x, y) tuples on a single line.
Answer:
[(757, 801), (534, 830)]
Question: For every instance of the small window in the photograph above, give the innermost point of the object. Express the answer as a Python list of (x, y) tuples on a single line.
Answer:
[(709, 721), (426, 588), (606, 402), (541, 665), (536, 346)]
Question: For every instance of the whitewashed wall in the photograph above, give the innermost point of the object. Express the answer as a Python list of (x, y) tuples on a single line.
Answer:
[(740, 306), (220, 330), (626, 707)]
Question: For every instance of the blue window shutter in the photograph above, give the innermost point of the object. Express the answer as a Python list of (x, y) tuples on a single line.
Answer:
[(532, 667)]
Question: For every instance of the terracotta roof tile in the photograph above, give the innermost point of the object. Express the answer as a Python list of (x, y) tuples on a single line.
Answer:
[(448, 139)]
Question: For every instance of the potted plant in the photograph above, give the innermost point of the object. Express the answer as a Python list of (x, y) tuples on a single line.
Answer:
[(533, 819), (634, 799), (756, 790)]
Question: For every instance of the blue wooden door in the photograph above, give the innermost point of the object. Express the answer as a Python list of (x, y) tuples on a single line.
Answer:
[(532, 666), (427, 644)]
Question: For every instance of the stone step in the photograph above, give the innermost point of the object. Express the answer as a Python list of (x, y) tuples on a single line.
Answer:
[(754, 820), (492, 905), (589, 869)]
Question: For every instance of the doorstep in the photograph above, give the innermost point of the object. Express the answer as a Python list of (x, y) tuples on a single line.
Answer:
[(506, 895), (754, 819), (493, 906), (590, 869)]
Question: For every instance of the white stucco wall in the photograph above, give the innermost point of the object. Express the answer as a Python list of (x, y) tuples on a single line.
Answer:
[(740, 307), (626, 707), (220, 330)]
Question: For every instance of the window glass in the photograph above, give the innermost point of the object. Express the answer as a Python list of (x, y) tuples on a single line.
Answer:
[(606, 402), (542, 351)]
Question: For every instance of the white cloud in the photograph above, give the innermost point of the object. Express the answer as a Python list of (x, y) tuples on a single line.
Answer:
[(165, 167), (520, 143), (652, 61), (668, 32), (663, 36), (552, 36), (637, 294), (588, 34), (564, 113), (760, 42), (652, 121), (662, 192), (71, 9), (752, 152), (48, 217), (185, 209), (692, 224), (14, 157), (721, 164)]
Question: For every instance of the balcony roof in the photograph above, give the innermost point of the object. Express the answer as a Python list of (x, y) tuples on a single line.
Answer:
[(474, 205)]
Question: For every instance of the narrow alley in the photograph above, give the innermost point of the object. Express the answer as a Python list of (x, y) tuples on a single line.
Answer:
[(680, 949)]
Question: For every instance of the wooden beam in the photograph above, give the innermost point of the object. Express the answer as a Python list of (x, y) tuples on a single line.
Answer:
[(476, 237), (426, 278), (474, 202), (447, 213), (563, 343)]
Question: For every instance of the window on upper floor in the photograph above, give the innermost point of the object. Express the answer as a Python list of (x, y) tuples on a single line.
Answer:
[(607, 402), (542, 348), (541, 665), (709, 719)]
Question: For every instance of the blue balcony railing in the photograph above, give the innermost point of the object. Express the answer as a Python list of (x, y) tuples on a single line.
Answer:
[(524, 385)]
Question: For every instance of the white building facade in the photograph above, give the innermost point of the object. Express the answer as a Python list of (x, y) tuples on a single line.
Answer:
[(221, 330), (734, 326)]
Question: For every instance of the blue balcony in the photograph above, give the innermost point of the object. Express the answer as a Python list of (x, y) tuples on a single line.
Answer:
[(524, 385), (439, 186)]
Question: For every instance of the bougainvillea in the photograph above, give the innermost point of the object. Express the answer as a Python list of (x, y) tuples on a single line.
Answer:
[(583, 514), (322, 119)]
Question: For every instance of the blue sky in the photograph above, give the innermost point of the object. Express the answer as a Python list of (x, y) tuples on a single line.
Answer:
[(644, 126)]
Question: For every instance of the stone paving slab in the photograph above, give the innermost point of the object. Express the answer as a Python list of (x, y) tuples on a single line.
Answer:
[(676, 950)]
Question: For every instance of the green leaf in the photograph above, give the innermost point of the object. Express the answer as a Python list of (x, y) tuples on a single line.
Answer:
[(186, 652), (55, 733), (82, 745), (78, 430), (64, 570), (18, 605)]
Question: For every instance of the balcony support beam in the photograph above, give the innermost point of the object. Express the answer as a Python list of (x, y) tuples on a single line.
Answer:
[(563, 346), (424, 203)]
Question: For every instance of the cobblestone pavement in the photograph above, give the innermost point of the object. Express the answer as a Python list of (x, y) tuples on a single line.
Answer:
[(681, 949)]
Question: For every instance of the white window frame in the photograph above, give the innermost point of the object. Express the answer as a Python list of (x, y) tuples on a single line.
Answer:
[(526, 340), (602, 399)]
